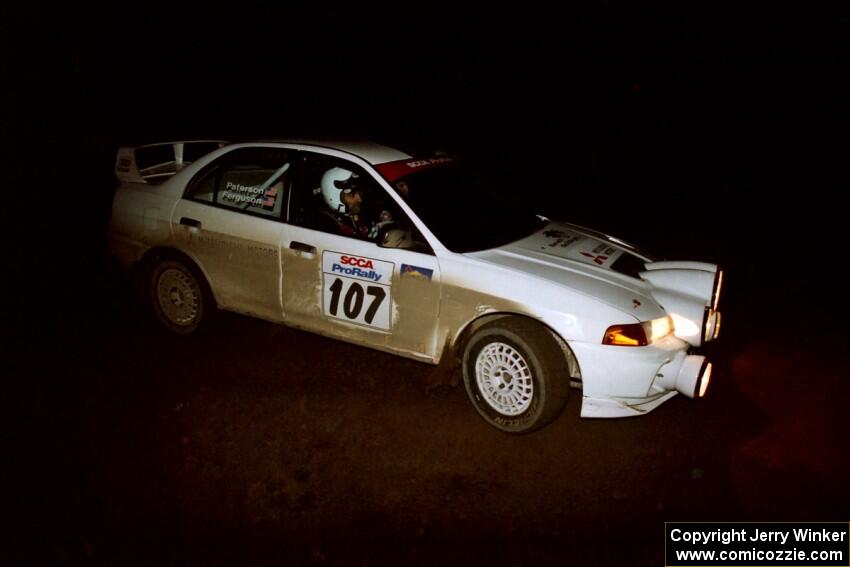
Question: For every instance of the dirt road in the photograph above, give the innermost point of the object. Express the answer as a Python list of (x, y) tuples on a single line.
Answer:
[(258, 443)]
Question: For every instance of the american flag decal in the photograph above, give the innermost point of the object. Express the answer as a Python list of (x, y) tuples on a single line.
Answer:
[(270, 195)]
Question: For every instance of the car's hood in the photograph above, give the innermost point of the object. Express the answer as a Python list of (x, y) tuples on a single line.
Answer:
[(591, 263)]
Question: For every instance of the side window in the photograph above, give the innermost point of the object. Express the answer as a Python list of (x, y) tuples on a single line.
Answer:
[(336, 196), (251, 180)]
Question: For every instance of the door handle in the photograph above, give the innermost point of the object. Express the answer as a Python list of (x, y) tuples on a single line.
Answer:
[(302, 247), (190, 222)]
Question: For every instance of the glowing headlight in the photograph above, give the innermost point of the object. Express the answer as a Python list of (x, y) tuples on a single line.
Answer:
[(711, 325), (659, 328), (684, 326), (718, 283), (717, 326), (638, 334), (706, 377)]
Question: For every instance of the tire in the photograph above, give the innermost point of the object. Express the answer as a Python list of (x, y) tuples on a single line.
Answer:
[(538, 380), (179, 297)]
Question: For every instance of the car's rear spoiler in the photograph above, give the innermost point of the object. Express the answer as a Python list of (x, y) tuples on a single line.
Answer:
[(154, 163)]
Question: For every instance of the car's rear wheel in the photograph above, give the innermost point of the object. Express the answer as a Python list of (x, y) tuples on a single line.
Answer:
[(516, 374), (178, 296)]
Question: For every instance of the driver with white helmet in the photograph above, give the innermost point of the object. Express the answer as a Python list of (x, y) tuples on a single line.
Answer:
[(342, 191)]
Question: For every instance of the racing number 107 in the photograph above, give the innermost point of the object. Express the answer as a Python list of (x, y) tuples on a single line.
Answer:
[(353, 301)]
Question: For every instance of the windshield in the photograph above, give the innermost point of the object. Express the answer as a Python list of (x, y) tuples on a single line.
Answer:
[(460, 214)]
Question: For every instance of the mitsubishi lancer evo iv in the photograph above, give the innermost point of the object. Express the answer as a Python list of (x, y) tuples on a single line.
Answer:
[(367, 244)]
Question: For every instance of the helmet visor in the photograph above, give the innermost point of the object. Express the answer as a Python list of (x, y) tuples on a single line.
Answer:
[(348, 185)]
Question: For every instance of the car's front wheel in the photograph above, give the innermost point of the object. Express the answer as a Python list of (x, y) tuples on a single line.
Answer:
[(178, 296), (516, 374)]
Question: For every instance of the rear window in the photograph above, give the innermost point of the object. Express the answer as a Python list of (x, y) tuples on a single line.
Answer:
[(251, 180), (157, 163)]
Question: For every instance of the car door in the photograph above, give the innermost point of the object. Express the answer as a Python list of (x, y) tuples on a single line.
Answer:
[(231, 221), (347, 286)]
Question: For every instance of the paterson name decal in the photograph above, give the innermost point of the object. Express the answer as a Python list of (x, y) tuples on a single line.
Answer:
[(253, 195)]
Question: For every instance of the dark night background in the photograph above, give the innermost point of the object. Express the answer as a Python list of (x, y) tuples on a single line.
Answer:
[(708, 131)]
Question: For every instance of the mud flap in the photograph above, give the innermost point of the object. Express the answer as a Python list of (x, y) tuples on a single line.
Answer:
[(447, 372)]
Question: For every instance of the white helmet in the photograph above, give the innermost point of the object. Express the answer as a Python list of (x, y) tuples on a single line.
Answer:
[(335, 182)]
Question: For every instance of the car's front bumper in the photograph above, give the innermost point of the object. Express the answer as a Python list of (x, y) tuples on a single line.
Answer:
[(630, 381)]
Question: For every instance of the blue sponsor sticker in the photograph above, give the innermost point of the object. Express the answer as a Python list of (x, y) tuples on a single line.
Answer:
[(416, 271)]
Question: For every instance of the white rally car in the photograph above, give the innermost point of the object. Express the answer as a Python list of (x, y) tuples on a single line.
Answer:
[(370, 245)]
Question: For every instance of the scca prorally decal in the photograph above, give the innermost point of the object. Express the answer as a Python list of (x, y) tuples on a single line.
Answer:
[(357, 267), (348, 298), (395, 170), (363, 272), (426, 162)]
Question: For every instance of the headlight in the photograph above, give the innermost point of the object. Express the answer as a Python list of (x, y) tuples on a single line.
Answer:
[(711, 325), (638, 334), (705, 376), (715, 294), (659, 328)]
